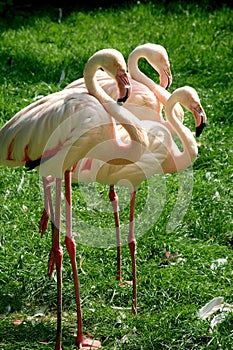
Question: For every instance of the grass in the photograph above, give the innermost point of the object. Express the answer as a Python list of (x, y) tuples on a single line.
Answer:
[(188, 214)]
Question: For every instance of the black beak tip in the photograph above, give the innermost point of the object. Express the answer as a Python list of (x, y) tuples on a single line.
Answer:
[(199, 129), (122, 100), (168, 82)]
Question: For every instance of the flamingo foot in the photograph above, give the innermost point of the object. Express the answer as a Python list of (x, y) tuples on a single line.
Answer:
[(43, 225), (127, 283), (88, 344)]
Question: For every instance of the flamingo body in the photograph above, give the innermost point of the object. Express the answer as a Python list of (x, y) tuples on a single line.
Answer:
[(130, 175), (51, 126)]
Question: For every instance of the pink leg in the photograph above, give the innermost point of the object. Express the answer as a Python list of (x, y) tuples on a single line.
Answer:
[(132, 247), (81, 341), (114, 201), (48, 207), (56, 256), (48, 211)]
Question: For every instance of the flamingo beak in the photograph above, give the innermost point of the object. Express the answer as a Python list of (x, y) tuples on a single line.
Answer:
[(200, 118), (166, 78), (169, 79), (122, 100), (199, 129), (124, 87)]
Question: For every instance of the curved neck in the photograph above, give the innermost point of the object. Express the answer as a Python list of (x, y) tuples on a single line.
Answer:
[(123, 154), (160, 93), (91, 82), (190, 151), (133, 69)]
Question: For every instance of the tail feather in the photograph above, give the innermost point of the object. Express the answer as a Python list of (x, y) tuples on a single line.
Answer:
[(32, 164)]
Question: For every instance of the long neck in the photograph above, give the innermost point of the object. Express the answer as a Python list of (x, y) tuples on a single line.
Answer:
[(181, 160), (160, 93), (133, 69), (123, 154)]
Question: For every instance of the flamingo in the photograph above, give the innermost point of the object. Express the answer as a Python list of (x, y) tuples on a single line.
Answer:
[(145, 102), (162, 156), (59, 130)]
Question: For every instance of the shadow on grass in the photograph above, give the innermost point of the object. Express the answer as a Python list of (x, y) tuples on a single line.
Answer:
[(27, 65), (30, 67), (10, 301), (33, 334), (25, 334), (16, 11)]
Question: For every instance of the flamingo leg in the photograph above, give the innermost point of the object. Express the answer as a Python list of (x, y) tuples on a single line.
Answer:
[(48, 207), (114, 201), (55, 258), (81, 341), (132, 247)]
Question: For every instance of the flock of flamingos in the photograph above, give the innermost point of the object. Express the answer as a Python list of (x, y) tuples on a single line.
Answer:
[(108, 127)]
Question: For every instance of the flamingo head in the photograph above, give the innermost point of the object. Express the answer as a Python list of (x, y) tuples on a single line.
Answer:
[(200, 118), (157, 56), (113, 63), (123, 84), (192, 102), (198, 113)]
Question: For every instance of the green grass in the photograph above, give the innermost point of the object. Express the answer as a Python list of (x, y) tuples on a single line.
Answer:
[(35, 49)]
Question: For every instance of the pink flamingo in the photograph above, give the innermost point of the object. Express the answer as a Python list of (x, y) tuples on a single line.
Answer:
[(56, 132), (162, 155)]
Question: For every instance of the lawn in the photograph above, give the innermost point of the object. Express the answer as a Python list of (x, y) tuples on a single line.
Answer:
[(183, 221)]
